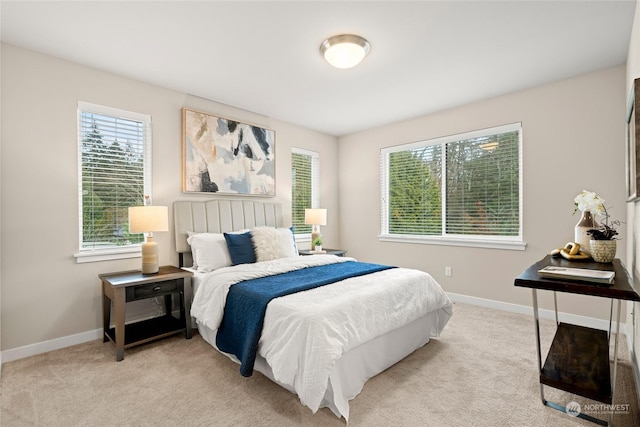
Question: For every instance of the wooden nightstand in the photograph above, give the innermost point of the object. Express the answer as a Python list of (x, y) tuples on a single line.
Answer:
[(120, 288), (337, 252)]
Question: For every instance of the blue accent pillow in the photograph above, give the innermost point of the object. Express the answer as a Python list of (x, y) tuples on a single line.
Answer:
[(240, 248)]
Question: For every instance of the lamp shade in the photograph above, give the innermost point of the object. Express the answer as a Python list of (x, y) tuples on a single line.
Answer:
[(315, 216), (147, 219)]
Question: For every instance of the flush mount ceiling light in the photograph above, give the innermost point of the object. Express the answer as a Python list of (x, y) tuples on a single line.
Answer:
[(345, 50)]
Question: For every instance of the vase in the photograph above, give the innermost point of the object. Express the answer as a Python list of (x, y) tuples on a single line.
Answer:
[(587, 222), (603, 250)]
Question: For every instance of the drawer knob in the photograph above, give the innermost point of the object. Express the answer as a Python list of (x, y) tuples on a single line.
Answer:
[(157, 288)]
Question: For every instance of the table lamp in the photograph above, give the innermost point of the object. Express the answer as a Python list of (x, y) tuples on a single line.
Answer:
[(316, 218), (147, 219)]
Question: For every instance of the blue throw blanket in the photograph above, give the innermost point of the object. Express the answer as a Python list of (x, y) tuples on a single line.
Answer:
[(247, 301)]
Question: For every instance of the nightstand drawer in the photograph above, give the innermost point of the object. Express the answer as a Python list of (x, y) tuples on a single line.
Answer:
[(151, 290)]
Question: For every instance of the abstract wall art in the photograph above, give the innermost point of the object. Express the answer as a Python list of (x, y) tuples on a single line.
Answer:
[(225, 156)]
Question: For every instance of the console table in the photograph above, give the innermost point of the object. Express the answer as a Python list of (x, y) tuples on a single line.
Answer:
[(578, 359)]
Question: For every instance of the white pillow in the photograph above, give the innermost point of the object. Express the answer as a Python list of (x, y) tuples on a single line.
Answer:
[(209, 251), (273, 243)]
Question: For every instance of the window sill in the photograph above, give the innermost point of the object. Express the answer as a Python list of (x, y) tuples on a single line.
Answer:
[(454, 241), (302, 237), (96, 255)]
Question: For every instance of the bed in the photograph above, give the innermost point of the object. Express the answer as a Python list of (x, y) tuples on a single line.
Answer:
[(322, 344)]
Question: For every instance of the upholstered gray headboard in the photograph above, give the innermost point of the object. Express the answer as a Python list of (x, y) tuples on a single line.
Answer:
[(219, 216)]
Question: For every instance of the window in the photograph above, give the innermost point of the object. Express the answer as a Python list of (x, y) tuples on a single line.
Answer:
[(114, 172), (305, 172), (462, 189)]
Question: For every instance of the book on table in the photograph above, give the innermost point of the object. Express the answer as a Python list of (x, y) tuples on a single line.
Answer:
[(583, 274)]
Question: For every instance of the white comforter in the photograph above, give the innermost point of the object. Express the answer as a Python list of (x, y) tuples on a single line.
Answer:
[(305, 333)]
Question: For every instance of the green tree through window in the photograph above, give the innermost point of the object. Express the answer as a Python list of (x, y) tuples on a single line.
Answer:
[(483, 195), (112, 159), (304, 187), (414, 192), (462, 185)]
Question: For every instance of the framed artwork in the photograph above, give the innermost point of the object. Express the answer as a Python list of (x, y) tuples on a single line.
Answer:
[(633, 136), (225, 156)]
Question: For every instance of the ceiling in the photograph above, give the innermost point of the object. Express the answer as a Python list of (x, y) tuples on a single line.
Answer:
[(264, 56)]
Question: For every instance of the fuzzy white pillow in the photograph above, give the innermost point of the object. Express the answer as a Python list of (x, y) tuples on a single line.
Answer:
[(209, 251), (273, 243)]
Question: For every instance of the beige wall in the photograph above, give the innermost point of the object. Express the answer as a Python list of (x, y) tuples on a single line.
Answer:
[(569, 127), (633, 209), (573, 139), (45, 293)]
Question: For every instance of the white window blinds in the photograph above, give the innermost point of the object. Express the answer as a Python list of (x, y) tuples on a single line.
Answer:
[(460, 186), (305, 168), (114, 173), (482, 187)]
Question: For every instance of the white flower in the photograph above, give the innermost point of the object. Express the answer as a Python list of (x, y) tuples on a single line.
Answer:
[(589, 201)]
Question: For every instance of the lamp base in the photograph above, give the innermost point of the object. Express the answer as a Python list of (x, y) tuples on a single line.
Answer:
[(315, 233), (150, 256)]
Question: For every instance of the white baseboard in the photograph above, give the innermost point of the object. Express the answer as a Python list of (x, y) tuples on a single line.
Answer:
[(141, 313), (54, 344), (58, 343), (590, 322)]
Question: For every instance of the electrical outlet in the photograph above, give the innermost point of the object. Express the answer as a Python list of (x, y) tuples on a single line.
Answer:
[(447, 271)]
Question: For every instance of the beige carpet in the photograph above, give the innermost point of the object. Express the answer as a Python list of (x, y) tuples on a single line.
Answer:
[(480, 372)]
